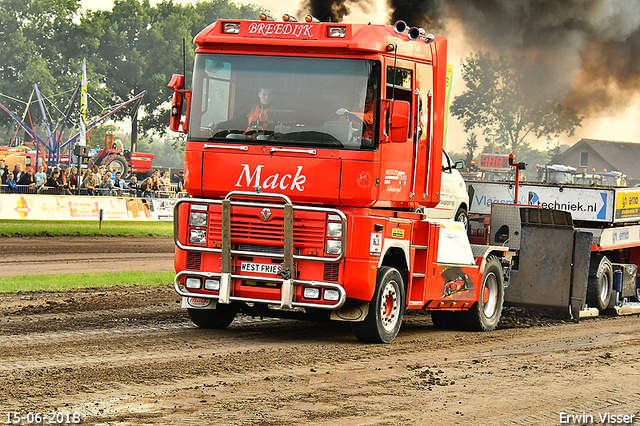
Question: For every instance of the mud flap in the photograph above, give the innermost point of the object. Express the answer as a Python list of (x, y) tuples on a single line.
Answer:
[(351, 311)]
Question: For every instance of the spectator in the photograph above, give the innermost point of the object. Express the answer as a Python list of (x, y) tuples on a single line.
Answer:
[(4, 171), (11, 183), (40, 178), (164, 185), (17, 172), (97, 175), (119, 183), (73, 180), (52, 183), (90, 183), (107, 187), (27, 179), (147, 187), (63, 182), (133, 187)]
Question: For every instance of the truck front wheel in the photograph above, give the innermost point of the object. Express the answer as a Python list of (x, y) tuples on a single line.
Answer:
[(485, 314), (217, 318), (386, 309), (600, 285)]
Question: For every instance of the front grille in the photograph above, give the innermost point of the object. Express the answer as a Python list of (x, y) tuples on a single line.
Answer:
[(248, 227), (331, 271), (194, 261)]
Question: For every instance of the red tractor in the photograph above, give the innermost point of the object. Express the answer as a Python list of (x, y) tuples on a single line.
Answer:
[(128, 163)]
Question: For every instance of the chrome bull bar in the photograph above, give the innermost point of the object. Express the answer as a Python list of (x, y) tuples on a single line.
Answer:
[(227, 252)]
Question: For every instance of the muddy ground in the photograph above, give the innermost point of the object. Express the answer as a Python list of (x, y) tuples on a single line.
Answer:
[(132, 357)]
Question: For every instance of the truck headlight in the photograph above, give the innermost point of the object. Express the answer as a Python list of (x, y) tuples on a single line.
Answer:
[(311, 293), (198, 219), (192, 282), (331, 295), (198, 236), (334, 229), (334, 246), (212, 284)]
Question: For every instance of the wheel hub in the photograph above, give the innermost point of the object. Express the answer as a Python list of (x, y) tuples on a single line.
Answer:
[(490, 295), (389, 307)]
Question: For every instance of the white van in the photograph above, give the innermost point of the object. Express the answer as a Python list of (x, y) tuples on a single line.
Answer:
[(454, 200)]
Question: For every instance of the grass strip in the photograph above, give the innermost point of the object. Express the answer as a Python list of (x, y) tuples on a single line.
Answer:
[(64, 282), (16, 228)]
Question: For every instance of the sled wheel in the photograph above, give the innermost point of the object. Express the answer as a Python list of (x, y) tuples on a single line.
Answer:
[(485, 314), (217, 318), (600, 285), (119, 164), (386, 309)]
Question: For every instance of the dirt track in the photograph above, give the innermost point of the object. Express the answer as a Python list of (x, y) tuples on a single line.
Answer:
[(132, 357)]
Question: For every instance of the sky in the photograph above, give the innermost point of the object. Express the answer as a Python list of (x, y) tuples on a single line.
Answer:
[(620, 122)]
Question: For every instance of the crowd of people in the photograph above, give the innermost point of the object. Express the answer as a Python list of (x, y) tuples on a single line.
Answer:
[(96, 180)]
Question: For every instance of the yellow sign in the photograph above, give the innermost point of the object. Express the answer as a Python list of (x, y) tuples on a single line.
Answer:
[(627, 204), (397, 233)]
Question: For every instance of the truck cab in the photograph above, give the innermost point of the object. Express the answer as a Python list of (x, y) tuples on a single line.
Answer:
[(311, 148)]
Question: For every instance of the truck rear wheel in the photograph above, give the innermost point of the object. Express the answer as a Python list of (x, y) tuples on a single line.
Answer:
[(217, 318), (485, 314), (386, 309), (600, 285)]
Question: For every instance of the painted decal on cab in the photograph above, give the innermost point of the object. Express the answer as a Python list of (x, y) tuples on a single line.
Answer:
[(394, 180), (281, 30), (275, 181)]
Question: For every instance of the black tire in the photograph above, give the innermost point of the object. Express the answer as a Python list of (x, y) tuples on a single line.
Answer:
[(600, 286), (446, 320), (119, 164), (217, 318), (386, 309), (484, 315), (462, 216)]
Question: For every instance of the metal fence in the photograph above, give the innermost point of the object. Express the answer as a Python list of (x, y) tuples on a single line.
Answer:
[(174, 192)]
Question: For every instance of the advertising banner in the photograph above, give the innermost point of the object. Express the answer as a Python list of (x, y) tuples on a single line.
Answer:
[(592, 204), (61, 207)]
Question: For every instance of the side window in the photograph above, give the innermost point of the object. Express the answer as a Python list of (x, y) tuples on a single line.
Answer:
[(398, 87), (399, 83)]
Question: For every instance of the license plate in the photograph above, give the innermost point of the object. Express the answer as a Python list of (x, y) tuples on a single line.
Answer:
[(262, 268)]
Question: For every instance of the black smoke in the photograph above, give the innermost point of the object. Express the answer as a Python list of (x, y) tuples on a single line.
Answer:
[(584, 53)]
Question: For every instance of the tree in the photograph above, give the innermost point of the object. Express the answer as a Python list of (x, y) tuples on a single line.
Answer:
[(500, 102), (141, 47), (470, 147)]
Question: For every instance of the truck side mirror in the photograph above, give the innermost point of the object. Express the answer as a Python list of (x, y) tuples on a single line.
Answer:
[(176, 84), (400, 117), (459, 165)]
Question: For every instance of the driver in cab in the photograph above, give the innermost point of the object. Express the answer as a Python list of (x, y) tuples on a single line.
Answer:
[(362, 119), (255, 118)]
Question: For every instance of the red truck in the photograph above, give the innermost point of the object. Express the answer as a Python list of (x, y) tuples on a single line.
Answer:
[(304, 205)]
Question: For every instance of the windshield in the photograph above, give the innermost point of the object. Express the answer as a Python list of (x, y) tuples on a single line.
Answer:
[(309, 102), (560, 177)]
